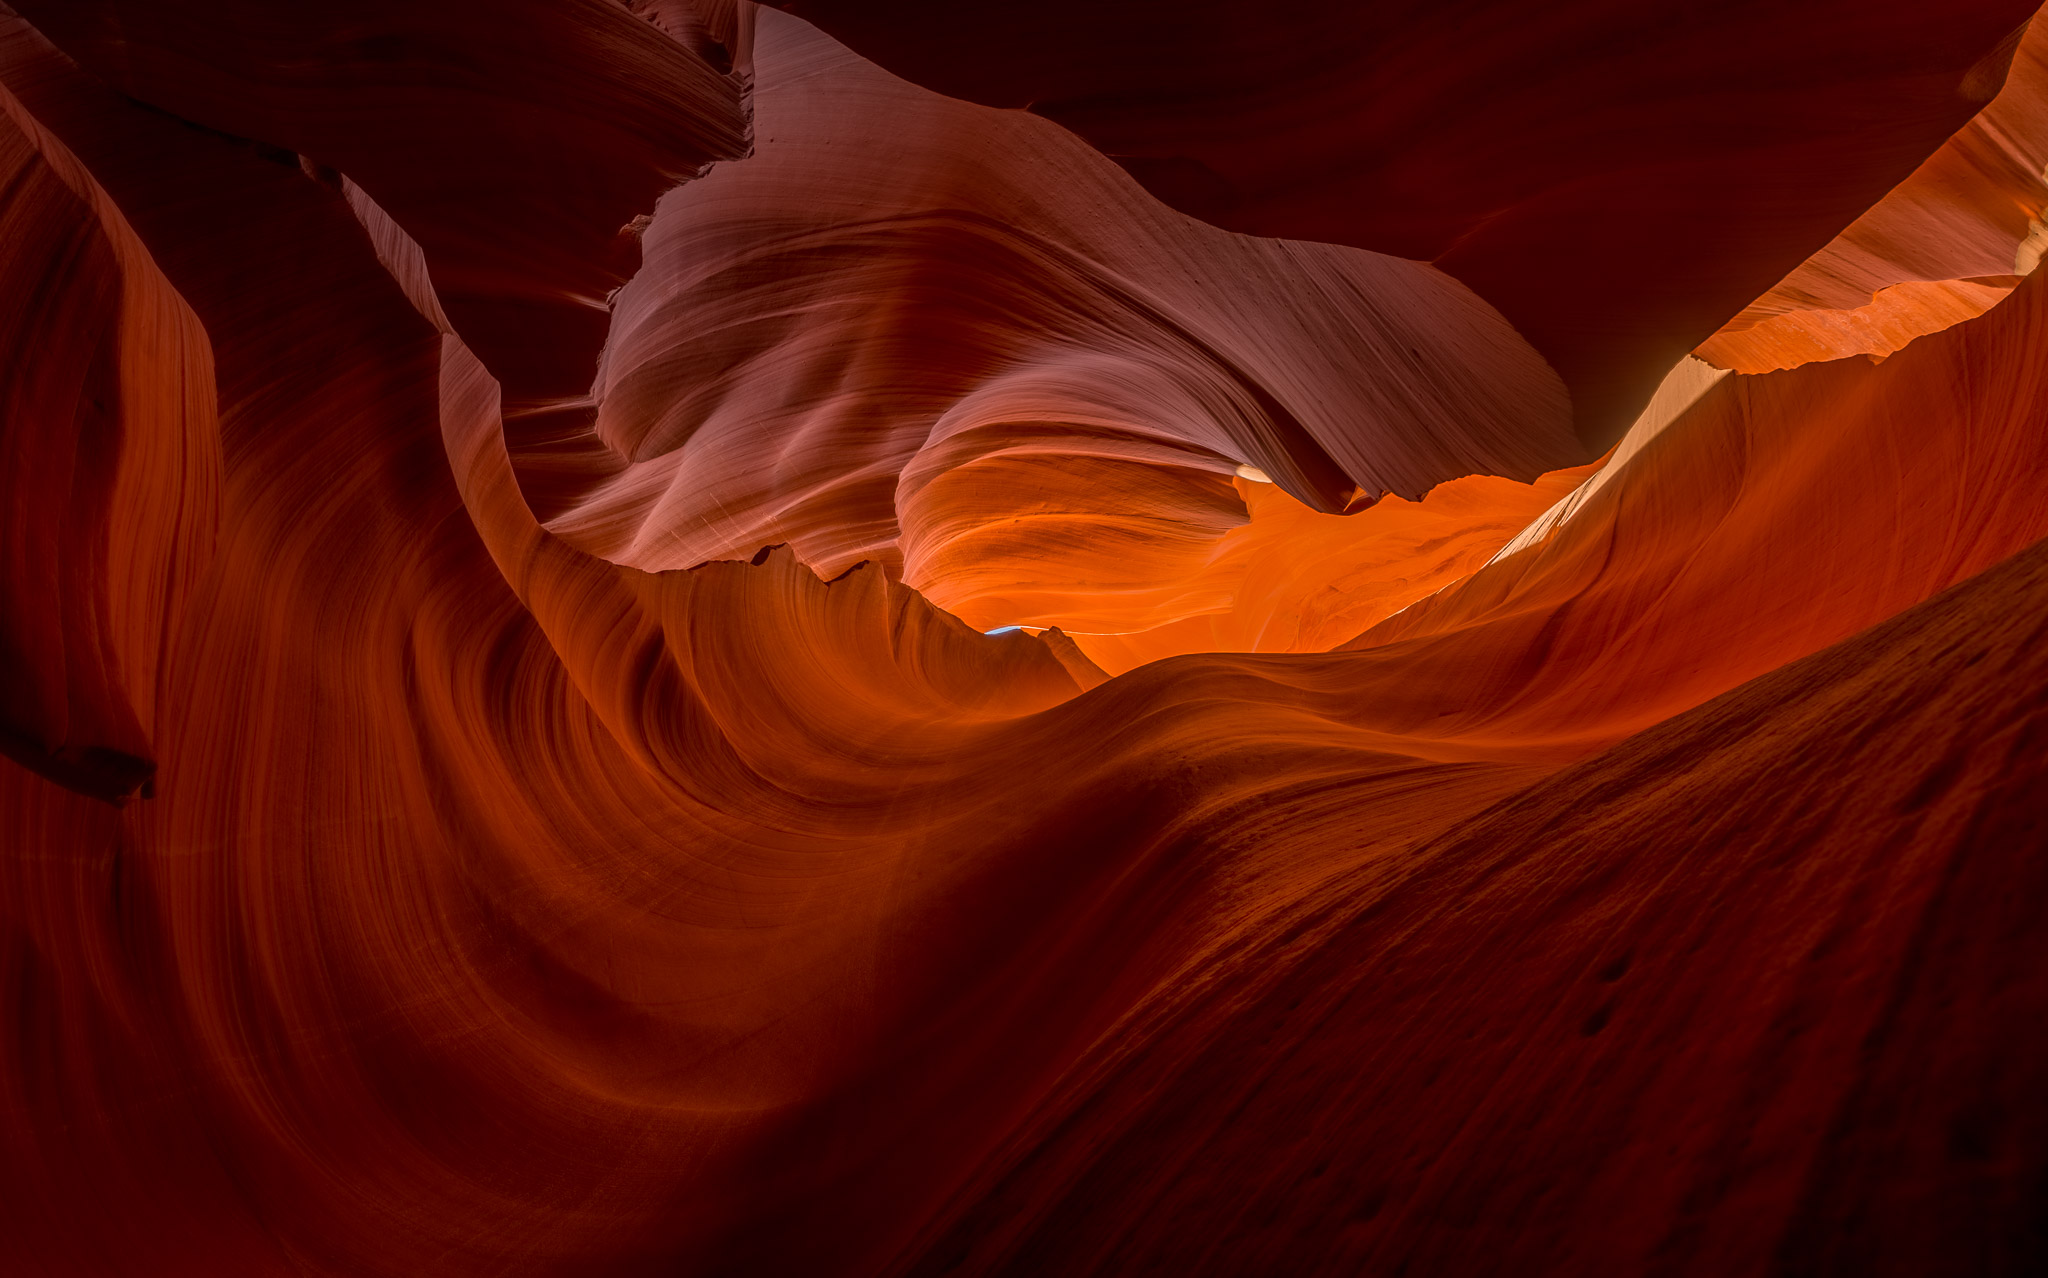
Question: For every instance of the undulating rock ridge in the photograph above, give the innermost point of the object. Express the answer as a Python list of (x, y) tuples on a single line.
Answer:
[(1669, 584), (1288, 579), (1618, 179), (902, 304), (506, 775), (1748, 993), (1941, 247)]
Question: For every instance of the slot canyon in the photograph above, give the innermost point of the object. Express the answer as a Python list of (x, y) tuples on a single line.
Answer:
[(1039, 637)]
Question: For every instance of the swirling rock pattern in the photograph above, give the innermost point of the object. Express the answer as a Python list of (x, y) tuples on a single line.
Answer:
[(506, 771), (899, 300)]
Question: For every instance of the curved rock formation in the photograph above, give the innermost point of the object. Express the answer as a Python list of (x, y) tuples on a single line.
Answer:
[(1618, 179), (1665, 587), (112, 469), (517, 143), (1289, 579), (1509, 1014), (1941, 247), (900, 295), (581, 837)]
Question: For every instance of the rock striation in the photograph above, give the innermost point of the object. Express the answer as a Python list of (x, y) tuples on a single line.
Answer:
[(629, 645)]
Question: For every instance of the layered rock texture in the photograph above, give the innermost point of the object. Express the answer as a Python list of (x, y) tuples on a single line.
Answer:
[(666, 637)]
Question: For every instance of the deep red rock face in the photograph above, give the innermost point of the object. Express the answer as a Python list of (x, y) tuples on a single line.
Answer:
[(631, 645)]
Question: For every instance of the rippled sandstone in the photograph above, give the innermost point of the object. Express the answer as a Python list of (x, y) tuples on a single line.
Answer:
[(628, 645)]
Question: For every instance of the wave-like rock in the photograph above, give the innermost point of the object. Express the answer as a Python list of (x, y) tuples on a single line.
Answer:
[(1729, 998), (1668, 584), (871, 326), (1288, 579), (111, 464), (517, 142), (1941, 247), (517, 892), (1617, 179)]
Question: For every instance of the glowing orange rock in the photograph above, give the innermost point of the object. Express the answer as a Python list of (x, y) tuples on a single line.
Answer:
[(1667, 586), (1812, 896), (1896, 314), (897, 292), (1942, 247), (1289, 580)]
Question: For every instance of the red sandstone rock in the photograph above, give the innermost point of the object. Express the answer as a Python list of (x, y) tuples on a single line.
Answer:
[(1941, 247), (1662, 895), (876, 322), (515, 143), (1670, 584), (111, 468), (1617, 178)]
